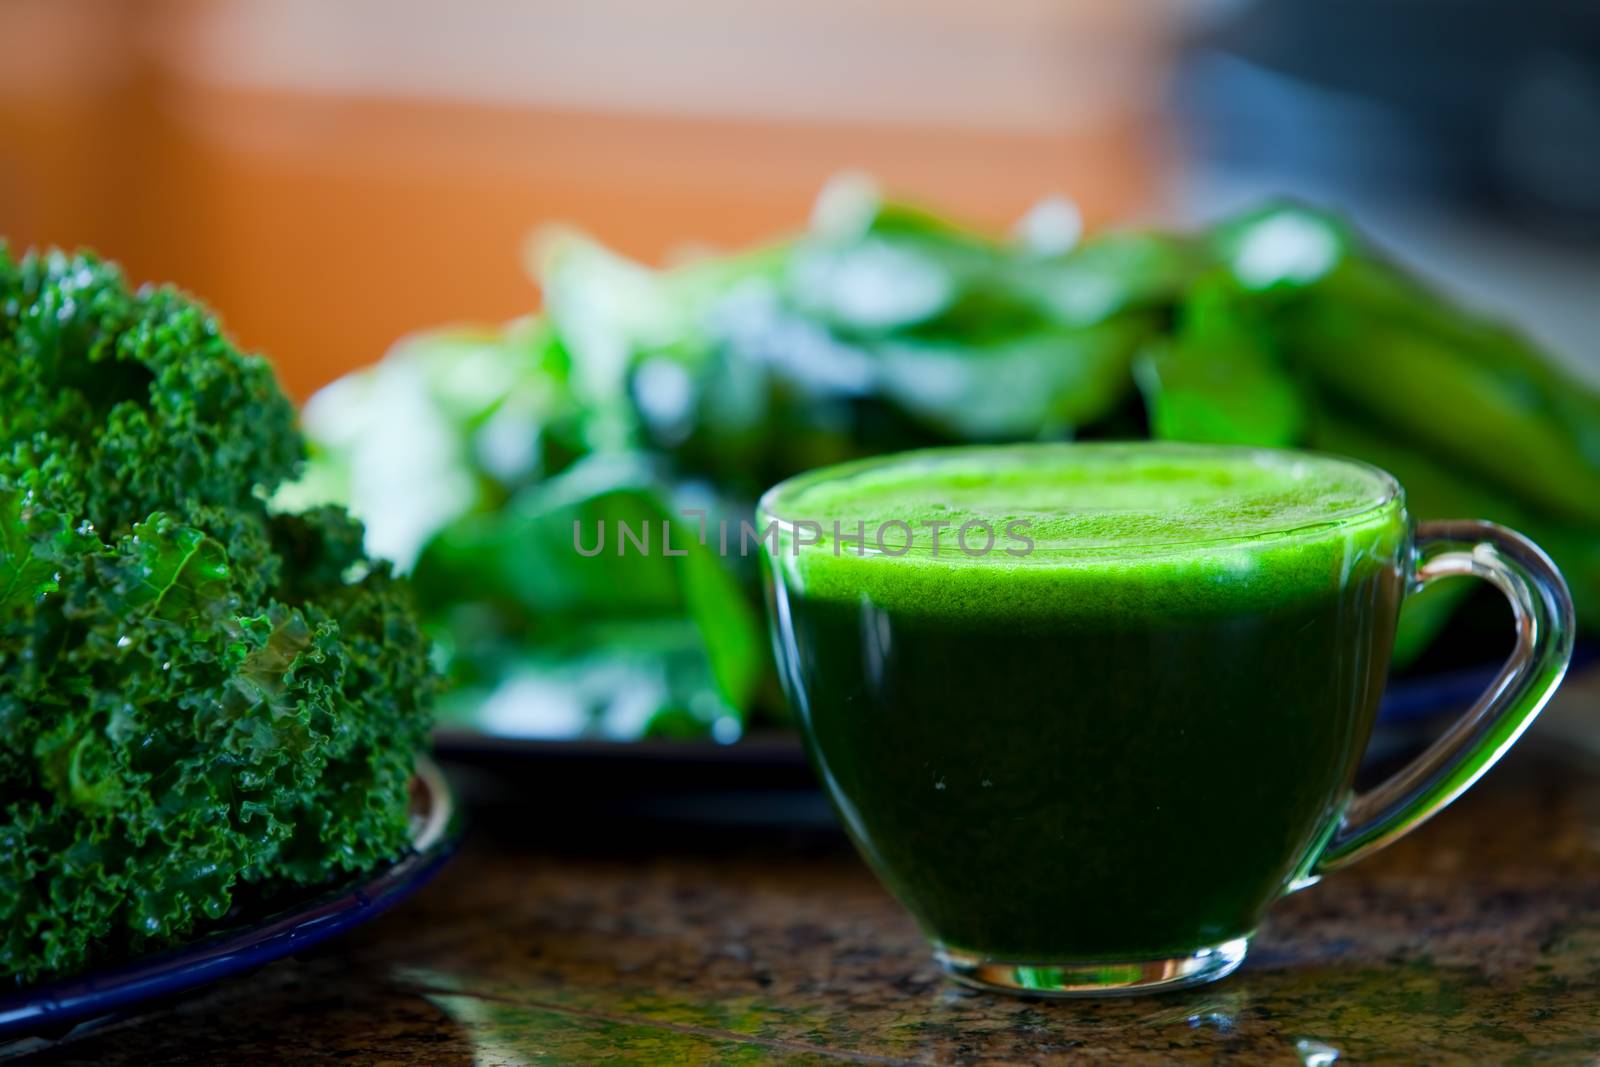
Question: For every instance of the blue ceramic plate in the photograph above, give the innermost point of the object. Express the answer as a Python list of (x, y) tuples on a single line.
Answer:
[(54, 1010)]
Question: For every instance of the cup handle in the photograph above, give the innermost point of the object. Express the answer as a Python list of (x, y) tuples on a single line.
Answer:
[(1541, 610)]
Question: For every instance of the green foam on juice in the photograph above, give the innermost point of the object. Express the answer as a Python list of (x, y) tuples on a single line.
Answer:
[(1103, 528)]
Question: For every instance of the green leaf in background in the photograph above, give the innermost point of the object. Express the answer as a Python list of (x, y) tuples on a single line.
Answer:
[(870, 268), (595, 566), (450, 423), (1047, 382), (1373, 340), (1434, 490), (1219, 379), (1449, 401), (1110, 273), (885, 327), (1281, 247), (616, 681)]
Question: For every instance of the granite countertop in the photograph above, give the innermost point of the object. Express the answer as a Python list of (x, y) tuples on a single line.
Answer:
[(1476, 940)]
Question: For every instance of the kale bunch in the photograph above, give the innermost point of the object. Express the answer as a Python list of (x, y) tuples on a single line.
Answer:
[(202, 703)]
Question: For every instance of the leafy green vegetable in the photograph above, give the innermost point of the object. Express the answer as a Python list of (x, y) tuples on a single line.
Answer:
[(201, 704), (1436, 489), (1468, 391), (1046, 382), (599, 578), (885, 327), (1219, 377)]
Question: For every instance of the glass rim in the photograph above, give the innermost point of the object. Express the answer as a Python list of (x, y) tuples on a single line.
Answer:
[(770, 509)]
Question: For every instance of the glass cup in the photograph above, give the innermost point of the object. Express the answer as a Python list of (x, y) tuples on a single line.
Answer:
[(1090, 768)]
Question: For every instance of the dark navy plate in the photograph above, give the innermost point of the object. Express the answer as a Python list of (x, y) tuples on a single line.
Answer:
[(54, 1009)]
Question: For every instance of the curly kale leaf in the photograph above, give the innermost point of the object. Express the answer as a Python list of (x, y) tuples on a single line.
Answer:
[(202, 705), (35, 544), (132, 399)]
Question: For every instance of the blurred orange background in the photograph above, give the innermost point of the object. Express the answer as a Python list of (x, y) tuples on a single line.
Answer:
[(332, 175)]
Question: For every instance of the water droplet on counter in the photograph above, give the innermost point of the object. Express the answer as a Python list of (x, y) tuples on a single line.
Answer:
[(1315, 1053)]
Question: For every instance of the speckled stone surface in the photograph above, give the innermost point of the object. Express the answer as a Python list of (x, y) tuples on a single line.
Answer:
[(1475, 941)]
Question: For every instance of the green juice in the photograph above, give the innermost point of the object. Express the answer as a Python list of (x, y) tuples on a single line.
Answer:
[(1120, 740)]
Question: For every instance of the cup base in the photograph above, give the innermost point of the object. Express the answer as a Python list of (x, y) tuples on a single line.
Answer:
[(1092, 978)]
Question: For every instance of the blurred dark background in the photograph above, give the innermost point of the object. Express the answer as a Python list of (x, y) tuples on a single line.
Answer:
[(1463, 134)]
